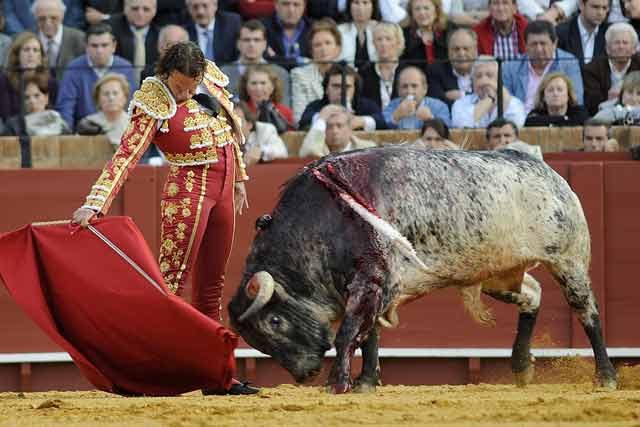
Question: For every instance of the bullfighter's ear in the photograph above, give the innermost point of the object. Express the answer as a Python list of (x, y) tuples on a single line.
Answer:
[(264, 222)]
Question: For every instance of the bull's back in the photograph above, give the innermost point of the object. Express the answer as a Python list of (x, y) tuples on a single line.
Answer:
[(470, 209)]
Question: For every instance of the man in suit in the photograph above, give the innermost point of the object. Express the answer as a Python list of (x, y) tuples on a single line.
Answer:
[(136, 36), (583, 35), (213, 30), (522, 76), (61, 43), (287, 34), (451, 80), (252, 45), (75, 94), (603, 76)]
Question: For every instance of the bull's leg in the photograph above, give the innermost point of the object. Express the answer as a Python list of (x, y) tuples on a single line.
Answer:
[(576, 286), (528, 301), (370, 376), (361, 311)]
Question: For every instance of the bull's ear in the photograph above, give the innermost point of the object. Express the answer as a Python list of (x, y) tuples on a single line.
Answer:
[(263, 222)]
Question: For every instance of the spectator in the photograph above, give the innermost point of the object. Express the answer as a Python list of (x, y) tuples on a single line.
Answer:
[(502, 134), (366, 115), (263, 144), (215, 31), (39, 120), (287, 34), (413, 106), (167, 37), (561, 10), (5, 42), (426, 35), (61, 43), (626, 111), (522, 77), (74, 100), (110, 97), (556, 103), (468, 13), (603, 76), (18, 17), (451, 80), (306, 82), (252, 44), (261, 89), (552, 11), (583, 35), (501, 34), (480, 108), (26, 58), (332, 133), (357, 32), (136, 37), (434, 136), (97, 11), (596, 137), (378, 79)]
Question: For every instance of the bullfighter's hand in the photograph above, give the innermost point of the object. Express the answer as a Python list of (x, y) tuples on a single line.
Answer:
[(240, 197), (83, 217)]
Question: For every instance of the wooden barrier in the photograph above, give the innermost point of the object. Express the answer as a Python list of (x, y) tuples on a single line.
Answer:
[(607, 189), (82, 152)]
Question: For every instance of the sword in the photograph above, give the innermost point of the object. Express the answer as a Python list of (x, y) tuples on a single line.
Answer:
[(126, 258), (113, 246)]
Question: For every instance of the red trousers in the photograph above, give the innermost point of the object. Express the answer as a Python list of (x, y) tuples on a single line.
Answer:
[(198, 222)]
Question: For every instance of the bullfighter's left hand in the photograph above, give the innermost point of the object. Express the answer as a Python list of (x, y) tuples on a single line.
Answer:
[(240, 197)]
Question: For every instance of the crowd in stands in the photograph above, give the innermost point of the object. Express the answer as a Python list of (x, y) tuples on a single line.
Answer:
[(329, 67)]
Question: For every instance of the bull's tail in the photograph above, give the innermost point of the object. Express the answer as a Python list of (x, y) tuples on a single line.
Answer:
[(474, 305)]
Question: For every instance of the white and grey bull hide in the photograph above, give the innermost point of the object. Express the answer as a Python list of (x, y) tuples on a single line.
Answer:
[(356, 235)]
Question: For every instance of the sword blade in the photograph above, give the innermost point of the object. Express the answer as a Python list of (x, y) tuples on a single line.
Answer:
[(124, 256)]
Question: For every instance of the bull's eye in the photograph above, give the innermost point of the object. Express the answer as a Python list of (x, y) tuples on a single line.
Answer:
[(275, 321)]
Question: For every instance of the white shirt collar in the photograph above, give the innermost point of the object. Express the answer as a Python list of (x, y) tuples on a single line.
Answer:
[(57, 38), (203, 30)]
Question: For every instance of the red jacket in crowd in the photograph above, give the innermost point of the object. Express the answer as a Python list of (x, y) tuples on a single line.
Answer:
[(486, 34)]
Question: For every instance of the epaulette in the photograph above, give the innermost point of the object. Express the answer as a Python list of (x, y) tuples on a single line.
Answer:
[(155, 99), (214, 75)]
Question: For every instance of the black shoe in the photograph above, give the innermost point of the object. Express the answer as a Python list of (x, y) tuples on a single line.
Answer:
[(235, 390)]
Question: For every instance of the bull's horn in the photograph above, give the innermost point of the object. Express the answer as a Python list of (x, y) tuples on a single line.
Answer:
[(264, 282)]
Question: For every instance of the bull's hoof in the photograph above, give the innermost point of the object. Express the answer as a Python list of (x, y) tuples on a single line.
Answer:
[(608, 384), (340, 388), (523, 378), (364, 388)]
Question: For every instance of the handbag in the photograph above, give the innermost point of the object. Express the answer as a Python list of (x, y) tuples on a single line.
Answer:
[(268, 113)]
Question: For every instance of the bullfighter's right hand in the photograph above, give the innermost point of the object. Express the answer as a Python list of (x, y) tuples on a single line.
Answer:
[(83, 216)]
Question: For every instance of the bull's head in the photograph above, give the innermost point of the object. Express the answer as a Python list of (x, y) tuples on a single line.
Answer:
[(287, 328)]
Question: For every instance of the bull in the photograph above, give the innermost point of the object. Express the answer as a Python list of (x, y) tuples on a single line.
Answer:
[(354, 236)]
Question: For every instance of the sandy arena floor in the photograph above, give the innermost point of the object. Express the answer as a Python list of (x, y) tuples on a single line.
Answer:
[(539, 405)]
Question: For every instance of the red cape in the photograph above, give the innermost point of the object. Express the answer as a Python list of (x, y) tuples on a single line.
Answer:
[(122, 332)]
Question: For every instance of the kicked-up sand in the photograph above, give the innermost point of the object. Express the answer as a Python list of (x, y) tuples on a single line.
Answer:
[(538, 405)]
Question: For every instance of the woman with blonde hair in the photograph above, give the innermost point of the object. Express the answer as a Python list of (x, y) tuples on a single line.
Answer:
[(426, 35), (26, 58), (110, 95), (378, 79), (262, 90), (556, 103)]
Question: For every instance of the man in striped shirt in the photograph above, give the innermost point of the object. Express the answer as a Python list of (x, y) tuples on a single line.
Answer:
[(501, 34)]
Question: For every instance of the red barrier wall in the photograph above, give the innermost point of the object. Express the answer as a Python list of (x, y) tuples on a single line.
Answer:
[(607, 189)]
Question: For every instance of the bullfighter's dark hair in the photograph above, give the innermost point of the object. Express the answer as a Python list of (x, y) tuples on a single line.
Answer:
[(500, 122), (438, 125), (541, 27), (184, 57), (100, 29)]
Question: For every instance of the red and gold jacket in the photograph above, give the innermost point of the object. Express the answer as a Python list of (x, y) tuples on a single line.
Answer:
[(185, 133)]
